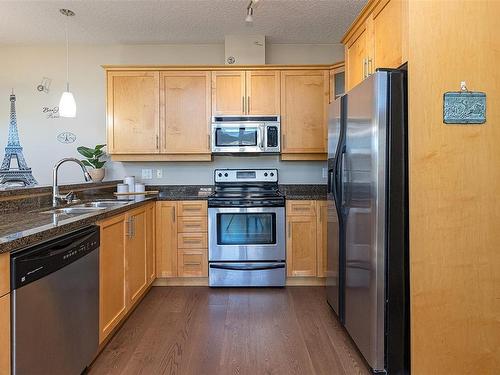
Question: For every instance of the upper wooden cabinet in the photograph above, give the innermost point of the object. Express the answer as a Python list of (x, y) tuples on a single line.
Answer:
[(185, 112), (246, 92), (263, 92), (228, 93), (132, 112), (377, 39), (304, 114)]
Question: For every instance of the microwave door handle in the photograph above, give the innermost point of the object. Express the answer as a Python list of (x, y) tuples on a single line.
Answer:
[(261, 131)]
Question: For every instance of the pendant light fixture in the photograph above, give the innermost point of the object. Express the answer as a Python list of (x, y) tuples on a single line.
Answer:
[(67, 104)]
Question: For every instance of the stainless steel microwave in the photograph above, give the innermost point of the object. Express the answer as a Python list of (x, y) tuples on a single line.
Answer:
[(245, 134)]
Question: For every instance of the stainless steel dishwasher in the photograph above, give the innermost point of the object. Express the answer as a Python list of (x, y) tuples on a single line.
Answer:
[(55, 304)]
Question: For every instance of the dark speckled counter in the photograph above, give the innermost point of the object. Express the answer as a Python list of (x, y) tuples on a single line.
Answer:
[(28, 224)]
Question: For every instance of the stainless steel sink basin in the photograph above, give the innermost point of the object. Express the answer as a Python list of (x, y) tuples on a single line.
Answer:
[(88, 207)]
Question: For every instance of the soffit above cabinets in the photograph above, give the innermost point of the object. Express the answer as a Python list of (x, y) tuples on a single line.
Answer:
[(176, 21)]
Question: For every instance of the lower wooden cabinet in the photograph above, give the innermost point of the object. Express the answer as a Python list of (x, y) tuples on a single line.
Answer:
[(126, 259), (306, 238), (5, 334), (181, 239)]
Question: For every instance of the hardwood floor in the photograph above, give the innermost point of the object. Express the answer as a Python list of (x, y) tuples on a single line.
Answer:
[(198, 330)]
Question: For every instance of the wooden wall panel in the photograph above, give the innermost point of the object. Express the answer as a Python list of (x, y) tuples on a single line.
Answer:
[(454, 190)]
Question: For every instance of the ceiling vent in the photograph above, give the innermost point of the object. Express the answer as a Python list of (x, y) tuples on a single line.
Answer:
[(245, 49)]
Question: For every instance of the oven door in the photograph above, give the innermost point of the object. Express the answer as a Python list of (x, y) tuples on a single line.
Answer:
[(246, 234), (234, 137)]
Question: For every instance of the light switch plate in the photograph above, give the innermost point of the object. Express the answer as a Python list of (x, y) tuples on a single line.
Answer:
[(324, 172), (147, 174), (159, 173)]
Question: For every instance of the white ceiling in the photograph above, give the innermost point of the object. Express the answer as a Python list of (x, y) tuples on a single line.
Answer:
[(175, 21)]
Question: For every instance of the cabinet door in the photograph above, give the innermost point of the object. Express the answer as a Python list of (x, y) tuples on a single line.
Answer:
[(337, 83), (301, 246), (133, 112), (112, 271), (150, 242), (5, 334), (263, 92), (321, 237), (356, 58), (304, 111), (136, 251), (185, 112), (166, 239), (228, 93), (387, 34)]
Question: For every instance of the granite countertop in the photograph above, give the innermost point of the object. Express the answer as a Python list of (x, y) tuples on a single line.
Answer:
[(24, 228), (30, 225)]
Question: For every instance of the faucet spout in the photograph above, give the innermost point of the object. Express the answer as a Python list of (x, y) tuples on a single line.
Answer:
[(56, 197)]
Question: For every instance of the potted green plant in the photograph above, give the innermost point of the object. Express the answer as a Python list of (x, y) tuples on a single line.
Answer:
[(92, 156)]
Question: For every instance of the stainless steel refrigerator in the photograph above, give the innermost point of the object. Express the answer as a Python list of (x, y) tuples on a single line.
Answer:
[(367, 278)]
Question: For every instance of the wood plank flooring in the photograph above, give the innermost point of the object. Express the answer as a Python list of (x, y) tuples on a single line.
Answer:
[(198, 330)]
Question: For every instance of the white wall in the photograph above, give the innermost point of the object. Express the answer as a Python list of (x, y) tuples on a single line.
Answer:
[(22, 68)]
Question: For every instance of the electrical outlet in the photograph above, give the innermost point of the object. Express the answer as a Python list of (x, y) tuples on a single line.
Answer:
[(147, 174), (159, 173), (324, 172)]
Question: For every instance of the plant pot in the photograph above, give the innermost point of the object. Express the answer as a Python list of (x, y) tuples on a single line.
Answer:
[(97, 174)]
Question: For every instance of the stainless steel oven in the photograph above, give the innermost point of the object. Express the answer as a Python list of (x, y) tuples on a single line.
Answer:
[(246, 229), (246, 233), (245, 134)]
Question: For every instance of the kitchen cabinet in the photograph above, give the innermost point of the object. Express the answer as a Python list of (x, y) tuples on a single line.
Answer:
[(125, 254), (301, 256), (151, 242), (304, 114), (112, 271), (5, 313), (306, 237), (337, 83), (377, 39), (321, 237), (185, 112), (5, 334), (254, 92), (133, 104), (166, 239), (136, 254), (182, 239), (228, 93), (4, 273)]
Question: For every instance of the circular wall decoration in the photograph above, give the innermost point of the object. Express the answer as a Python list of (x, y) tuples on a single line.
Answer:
[(66, 137)]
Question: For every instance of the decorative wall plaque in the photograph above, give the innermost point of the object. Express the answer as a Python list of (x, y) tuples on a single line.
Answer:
[(464, 107), (66, 137)]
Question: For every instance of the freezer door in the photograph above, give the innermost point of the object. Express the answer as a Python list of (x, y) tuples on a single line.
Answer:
[(363, 189), (332, 273)]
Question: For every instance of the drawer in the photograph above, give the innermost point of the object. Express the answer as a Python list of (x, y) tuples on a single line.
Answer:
[(192, 224), (4, 273), (192, 241), (193, 263), (192, 208), (302, 208)]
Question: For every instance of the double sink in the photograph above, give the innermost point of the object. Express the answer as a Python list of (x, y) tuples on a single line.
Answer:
[(88, 207)]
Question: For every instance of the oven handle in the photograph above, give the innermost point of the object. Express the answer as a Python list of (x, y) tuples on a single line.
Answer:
[(244, 267)]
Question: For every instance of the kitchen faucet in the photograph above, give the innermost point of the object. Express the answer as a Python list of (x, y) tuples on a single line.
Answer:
[(56, 197)]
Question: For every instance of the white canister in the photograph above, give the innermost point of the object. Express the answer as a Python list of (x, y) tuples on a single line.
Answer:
[(140, 187), (130, 181), (122, 188)]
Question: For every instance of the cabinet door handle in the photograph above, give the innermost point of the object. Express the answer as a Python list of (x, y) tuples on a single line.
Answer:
[(173, 215), (157, 142), (284, 140), (129, 228), (209, 143), (289, 229), (248, 104), (370, 66), (243, 103), (364, 68)]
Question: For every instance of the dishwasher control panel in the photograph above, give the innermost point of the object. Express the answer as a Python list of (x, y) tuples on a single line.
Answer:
[(31, 264)]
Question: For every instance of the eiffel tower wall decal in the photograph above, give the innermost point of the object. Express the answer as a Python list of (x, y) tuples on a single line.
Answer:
[(19, 173)]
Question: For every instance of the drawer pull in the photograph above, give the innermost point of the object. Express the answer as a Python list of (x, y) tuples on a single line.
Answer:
[(192, 263)]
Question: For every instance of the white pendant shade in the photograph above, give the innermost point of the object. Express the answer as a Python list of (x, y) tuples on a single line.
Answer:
[(67, 105)]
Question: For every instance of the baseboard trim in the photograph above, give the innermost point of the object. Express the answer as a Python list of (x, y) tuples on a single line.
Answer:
[(203, 281)]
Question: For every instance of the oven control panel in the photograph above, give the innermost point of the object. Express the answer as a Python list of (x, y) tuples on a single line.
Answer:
[(246, 175)]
